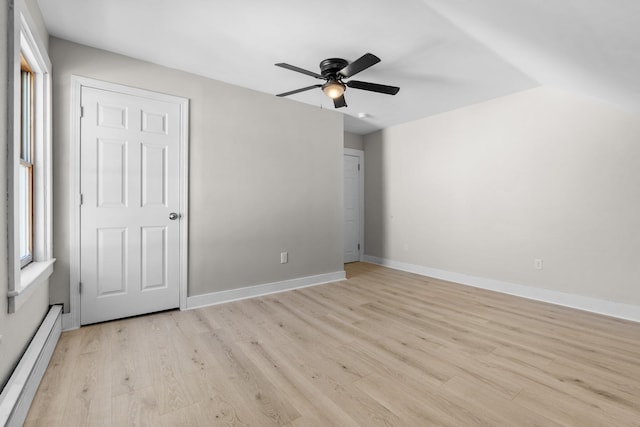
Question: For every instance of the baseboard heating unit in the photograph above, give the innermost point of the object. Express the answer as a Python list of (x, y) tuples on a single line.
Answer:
[(18, 394)]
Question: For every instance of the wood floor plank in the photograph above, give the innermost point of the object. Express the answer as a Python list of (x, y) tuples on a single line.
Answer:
[(315, 407), (336, 301), (194, 321), (569, 410), (129, 368), (50, 401), (89, 394), (383, 347), (138, 407), (172, 390), (420, 407), (257, 390), (496, 410)]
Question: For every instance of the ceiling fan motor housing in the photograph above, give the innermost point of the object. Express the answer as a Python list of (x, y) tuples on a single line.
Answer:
[(329, 67)]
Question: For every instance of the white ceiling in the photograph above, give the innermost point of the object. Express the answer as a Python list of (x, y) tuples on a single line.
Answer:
[(444, 54)]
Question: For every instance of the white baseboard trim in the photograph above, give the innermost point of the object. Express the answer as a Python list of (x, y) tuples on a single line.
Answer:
[(594, 305), (69, 322), (264, 289), (18, 394)]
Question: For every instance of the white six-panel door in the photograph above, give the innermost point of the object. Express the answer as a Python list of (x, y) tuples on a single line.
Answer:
[(130, 184), (352, 212)]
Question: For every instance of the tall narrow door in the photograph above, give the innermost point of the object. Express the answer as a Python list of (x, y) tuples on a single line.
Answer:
[(351, 208), (129, 217)]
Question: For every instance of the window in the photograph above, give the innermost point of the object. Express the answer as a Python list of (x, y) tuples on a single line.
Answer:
[(25, 172), (29, 160)]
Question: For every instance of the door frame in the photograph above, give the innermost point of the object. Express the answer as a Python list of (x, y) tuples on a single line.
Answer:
[(71, 320), (360, 155)]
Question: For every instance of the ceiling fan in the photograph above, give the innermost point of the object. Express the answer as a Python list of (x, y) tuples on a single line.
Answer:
[(333, 70)]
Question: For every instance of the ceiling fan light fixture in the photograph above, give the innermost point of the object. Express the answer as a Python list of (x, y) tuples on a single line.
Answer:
[(333, 89)]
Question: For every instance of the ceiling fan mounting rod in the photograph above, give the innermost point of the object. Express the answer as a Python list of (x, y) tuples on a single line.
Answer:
[(329, 68)]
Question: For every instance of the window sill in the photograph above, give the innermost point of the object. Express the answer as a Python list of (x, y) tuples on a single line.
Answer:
[(31, 278)]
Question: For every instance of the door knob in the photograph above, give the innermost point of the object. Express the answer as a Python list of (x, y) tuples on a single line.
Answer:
[(173, 216)]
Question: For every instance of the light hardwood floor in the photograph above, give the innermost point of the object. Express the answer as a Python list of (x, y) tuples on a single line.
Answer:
[(383, 348)]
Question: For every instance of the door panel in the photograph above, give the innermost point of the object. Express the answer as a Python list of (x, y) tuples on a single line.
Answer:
[(154, 255), (112, 173), (154, 175), (130, 183), (112, 259), (114, 116)]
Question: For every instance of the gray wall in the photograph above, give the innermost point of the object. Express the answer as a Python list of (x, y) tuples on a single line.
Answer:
[(265, 175), (352, 140), (16, 329), (487, 189)]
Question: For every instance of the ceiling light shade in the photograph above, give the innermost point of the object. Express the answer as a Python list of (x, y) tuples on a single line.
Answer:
[(333, 89)]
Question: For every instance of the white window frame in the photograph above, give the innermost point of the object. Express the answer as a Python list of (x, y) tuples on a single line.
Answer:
[(24, 281)]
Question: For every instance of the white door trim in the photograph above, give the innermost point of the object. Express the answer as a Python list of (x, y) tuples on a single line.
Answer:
[(360, 155), (72, 319)]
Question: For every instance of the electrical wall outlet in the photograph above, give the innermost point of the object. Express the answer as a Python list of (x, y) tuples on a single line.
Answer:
[(537, 263), (284, 257)]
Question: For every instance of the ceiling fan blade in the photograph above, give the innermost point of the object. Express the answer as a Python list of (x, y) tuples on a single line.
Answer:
[(339, 102), (299, 70), (360, 64), (373, 87), (298, 90)]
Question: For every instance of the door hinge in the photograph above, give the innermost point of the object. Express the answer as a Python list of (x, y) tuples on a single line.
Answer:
[(79, 287), (358, 166), (81, 111), (81, 199), (358, 246)]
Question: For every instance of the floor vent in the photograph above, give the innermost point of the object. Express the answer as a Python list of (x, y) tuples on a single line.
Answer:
[(18, 394)]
